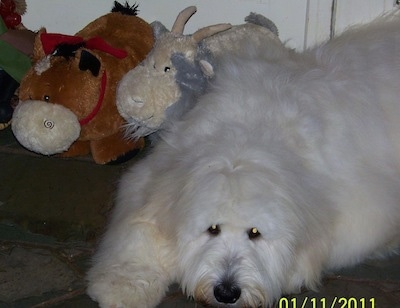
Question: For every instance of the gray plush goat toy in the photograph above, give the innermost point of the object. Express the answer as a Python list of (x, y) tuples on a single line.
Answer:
[(168, 82)]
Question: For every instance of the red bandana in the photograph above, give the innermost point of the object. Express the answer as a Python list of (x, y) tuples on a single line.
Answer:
[(96, 108), (51, 40)]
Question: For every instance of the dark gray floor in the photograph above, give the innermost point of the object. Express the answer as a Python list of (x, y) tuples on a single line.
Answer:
[(52, 211)]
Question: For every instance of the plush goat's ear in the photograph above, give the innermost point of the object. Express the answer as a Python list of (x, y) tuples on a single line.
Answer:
[(158, 29), (207, 68), (89, 62)]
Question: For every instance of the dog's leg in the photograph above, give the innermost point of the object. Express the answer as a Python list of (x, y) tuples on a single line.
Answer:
[(132, 267)]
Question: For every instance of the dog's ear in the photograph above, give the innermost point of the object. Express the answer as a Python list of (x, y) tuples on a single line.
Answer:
[(89, 62)]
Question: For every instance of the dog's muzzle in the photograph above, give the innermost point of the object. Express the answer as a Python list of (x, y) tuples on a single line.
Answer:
[(227, 293)]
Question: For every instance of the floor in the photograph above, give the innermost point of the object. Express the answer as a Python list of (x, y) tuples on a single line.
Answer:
[(53, 210)]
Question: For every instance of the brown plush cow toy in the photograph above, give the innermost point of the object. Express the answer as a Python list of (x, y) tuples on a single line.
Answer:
[(67, 99)]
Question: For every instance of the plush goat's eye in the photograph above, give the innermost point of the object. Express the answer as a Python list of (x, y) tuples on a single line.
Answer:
[(167, 69), (214, 230), (46, 98), (253, 233)]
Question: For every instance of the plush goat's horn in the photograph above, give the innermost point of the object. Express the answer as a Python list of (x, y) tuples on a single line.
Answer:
[(182, 18), (208, 31)]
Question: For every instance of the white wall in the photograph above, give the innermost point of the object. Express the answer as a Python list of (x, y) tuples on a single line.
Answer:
[(301, 22), (359, 11)]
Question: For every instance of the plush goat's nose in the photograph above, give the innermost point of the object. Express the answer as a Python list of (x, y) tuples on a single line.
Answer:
[(227, 293), (138, 102)]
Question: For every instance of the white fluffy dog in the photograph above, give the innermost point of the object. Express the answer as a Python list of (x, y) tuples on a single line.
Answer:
[(289, 167)]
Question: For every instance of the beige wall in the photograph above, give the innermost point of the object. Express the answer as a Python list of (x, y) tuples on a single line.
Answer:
[(301, 22)]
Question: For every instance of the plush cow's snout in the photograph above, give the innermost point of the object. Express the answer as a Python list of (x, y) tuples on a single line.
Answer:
[(45, 128)]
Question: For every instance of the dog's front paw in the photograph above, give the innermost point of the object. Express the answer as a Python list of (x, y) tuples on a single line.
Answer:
[(120, 293)]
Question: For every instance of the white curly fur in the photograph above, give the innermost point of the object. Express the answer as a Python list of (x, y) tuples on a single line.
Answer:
[(304, 148)]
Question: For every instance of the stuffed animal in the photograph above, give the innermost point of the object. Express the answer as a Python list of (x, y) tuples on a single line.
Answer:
[(67, 99), (11, 11), (176, 72), (16, 47)]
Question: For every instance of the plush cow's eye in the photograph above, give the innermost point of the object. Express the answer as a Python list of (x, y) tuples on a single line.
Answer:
[(214, 230), (46, 98), (167, 69), (253, 233)]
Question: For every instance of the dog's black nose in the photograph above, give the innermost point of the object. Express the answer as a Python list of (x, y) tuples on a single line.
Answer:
[(227, 293)]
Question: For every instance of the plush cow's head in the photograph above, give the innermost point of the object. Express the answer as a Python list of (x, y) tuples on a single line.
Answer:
[(163, 86)]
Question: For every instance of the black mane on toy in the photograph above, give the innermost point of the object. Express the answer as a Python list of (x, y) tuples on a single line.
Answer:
[(125, 9), (67, 50)]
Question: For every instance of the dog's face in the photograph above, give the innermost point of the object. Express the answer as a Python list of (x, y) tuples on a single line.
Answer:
[(234, 265), (237, 234)]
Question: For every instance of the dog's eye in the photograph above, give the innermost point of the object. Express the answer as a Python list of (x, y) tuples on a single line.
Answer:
[(167, 69), (214, 230), (46, 98), (253, 233)]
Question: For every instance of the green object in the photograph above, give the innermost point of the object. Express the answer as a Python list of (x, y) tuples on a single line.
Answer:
[(13, 61), (3, 27)]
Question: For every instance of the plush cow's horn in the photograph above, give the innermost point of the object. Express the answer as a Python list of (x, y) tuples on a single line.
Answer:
[(210, 30), (182, 18)]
